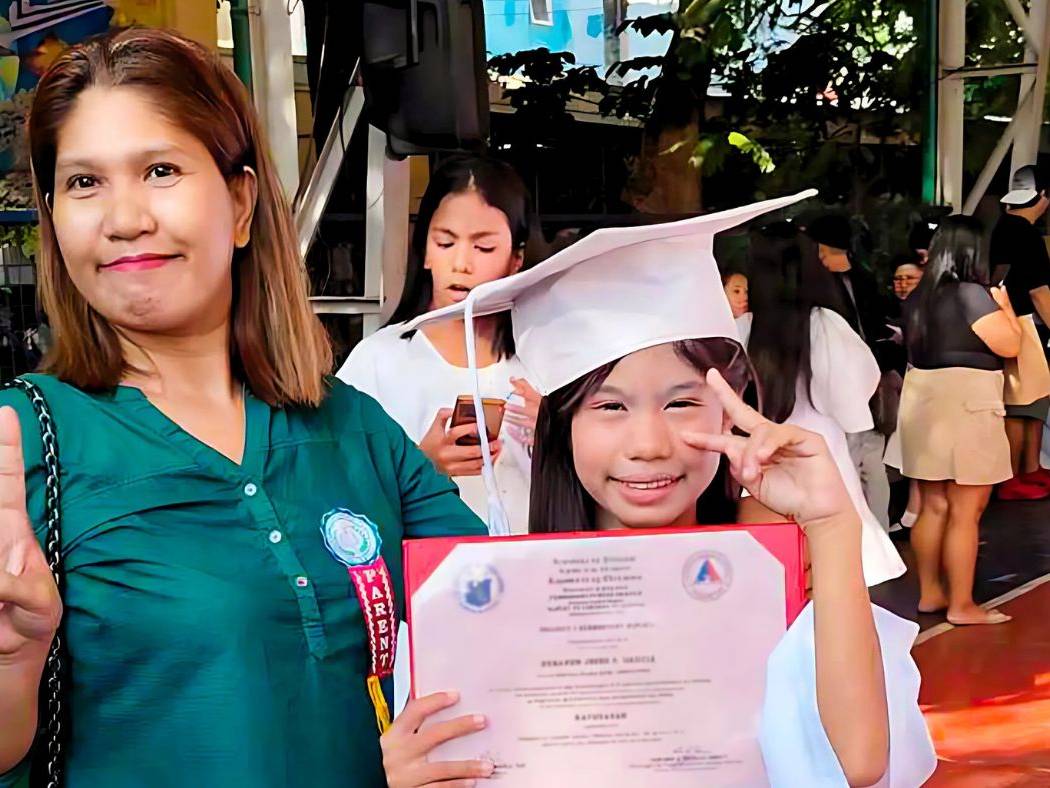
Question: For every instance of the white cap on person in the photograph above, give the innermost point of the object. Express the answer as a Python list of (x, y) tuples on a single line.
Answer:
[(1025, 186), (610, 294)]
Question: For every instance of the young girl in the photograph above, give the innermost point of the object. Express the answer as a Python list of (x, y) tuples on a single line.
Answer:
[(735, 285), (813, 369), (642, 407), (472, 227)]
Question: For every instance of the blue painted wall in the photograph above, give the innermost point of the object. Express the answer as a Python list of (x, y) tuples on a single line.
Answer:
[(577, 26)]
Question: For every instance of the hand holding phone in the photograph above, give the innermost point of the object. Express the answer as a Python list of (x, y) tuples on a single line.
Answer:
[(442, 444), (463, 413)]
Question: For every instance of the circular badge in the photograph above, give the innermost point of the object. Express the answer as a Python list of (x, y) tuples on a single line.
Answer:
[(352, 538), (707, 575), (479, 588)]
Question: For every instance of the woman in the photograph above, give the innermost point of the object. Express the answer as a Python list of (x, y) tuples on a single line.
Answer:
[(632, 433), (212, 630), (907, 273), (953, 437), (472, 227), (735, 285), (813, 369)]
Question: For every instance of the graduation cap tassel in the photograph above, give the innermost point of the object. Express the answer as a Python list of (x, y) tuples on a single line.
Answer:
[(499, 523)]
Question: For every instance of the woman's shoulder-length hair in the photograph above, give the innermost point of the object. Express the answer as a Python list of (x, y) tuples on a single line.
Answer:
[(278, 347)]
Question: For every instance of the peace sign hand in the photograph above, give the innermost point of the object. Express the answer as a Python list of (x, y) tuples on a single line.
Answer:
[(30, 606), (785, 467)]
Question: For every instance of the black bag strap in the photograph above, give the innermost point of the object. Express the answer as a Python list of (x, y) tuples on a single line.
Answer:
[(52, 687)]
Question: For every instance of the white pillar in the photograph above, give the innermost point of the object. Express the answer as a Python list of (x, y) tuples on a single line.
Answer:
[(1030, 115), (950, 104), (386, 228), (273, 86)]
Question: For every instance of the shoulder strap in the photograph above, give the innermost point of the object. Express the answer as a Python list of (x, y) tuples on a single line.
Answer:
[(53, 672)]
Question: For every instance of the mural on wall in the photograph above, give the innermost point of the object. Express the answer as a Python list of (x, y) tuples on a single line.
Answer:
[(32, 34)]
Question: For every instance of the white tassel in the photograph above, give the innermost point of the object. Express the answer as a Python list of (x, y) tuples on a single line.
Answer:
[(499, 523)]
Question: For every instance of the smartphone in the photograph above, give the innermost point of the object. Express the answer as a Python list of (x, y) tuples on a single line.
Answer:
[(464, 413)]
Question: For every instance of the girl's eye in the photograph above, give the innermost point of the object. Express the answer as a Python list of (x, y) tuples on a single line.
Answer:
[(683, 403), (609, 406), (486, 249), (162, 171), (80, 182), (445, 244)]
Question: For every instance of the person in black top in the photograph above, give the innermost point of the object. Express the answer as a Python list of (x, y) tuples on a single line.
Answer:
[(1018, 244), (952, 431), (865, 306), (865, 309)]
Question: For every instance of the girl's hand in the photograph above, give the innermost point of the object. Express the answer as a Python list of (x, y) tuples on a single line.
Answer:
[(522, 418), (439, 444), (405, 747), (785, 467)]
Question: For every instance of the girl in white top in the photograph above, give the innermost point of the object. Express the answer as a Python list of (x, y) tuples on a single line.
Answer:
[(472, 226), (813, 369), (636, 425)]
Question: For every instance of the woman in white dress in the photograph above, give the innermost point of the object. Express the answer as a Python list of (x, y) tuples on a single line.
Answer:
[(472, 226), (814, 371)]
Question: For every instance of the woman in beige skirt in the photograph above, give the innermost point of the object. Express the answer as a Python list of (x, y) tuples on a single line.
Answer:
[(952, 428)]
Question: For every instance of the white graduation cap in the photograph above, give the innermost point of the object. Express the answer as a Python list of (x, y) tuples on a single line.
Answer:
[(612, 293)]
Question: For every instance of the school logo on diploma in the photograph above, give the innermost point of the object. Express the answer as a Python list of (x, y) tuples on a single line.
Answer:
[(352, 538), (707, 575), (479, 588)]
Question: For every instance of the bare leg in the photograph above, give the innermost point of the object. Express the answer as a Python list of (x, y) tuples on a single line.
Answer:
[(1015, 435), (927, 538), (1033, 444), (966, 504)]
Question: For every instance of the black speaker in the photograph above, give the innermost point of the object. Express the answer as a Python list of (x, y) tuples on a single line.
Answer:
[(424, 73)]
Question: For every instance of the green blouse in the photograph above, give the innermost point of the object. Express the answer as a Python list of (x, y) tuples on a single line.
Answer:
[(214, 641)]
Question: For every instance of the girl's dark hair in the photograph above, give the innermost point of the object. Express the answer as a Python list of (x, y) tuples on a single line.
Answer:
[(499, 186), (957, 254), (730, 272), (559, 503), (788, 282)]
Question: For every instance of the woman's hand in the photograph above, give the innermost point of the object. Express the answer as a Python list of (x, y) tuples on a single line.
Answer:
[(522, 418), (439, 444), (405, 747), (786, 468), (30, 606)]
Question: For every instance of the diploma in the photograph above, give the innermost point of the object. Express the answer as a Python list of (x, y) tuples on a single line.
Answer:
[(619, 659)]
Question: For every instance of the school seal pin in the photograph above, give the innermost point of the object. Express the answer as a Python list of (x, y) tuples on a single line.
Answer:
[(351, 538)]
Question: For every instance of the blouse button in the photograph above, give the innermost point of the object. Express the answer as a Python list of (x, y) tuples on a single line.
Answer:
[(275, 536), (250, 489), (302, 582)]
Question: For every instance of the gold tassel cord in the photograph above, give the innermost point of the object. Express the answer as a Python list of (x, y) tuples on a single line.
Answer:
[(375, 692)]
